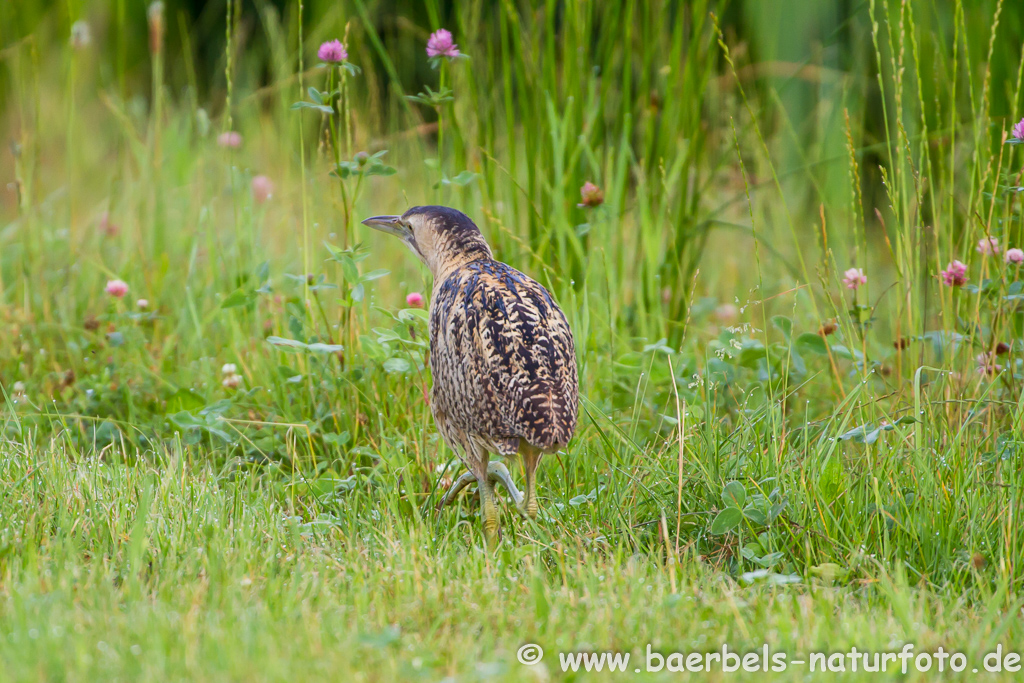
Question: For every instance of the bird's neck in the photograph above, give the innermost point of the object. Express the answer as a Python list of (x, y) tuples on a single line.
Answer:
[(453, 260)]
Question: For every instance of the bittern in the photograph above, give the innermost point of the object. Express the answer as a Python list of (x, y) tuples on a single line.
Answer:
[(501, 355)]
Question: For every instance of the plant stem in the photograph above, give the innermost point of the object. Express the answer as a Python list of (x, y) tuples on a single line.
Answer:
[(440, 125)]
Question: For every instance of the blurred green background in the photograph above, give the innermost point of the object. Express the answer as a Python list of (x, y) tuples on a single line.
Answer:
[(647, 75)]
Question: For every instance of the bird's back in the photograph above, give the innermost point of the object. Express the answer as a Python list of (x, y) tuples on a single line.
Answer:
[(503, 360)]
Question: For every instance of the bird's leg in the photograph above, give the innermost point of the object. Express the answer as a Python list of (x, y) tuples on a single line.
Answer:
[(455, 489), (531, 458), (477, 462), (496, 471), (489, 511)]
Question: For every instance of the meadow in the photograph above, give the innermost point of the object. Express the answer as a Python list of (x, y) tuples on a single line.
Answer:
[(787, 237)]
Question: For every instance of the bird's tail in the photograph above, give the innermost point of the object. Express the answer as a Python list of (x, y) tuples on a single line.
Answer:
[(553, 419)]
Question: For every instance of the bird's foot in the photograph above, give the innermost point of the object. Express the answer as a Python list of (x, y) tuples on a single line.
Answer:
[(489, 512), (496, 473), (528, 508)]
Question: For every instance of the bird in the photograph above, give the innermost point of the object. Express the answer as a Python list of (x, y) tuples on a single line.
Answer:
[(502, 357)]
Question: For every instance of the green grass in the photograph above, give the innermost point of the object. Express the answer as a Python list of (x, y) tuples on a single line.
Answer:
[(181, 571), (738, 476)]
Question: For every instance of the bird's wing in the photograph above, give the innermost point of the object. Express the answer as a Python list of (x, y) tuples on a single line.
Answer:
[(516, 368)]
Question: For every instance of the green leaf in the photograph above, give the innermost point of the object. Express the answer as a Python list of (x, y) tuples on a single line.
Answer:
[(324, 348), (842, 352), (769, 559), (287, 344), (184, 399), (335, 251), (385, 335), (462, 179), (814, 343), (867, 433), (293, 345), (239, 297), (733, 494), (381, 170), (797, 363), (755, 516), (396, 365), (409, 315), (726, 520), (337, 440), (784, 325), (830, 482), (829, 571), (374, 275), (751, 354), (310, 105), (315, 95), (776, 510), (186, 421), (432, 98), (348, 268)]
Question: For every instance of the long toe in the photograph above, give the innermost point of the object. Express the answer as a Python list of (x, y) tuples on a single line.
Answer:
[(456, 488), (497, 472), (489, 513), (528, 507)]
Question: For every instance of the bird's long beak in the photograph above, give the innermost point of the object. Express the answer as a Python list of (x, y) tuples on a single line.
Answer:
[(389, 224)]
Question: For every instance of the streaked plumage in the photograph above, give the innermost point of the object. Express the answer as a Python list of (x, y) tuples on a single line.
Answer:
[(501, 355)]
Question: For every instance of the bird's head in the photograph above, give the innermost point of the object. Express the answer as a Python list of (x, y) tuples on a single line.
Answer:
[(442, 238)]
